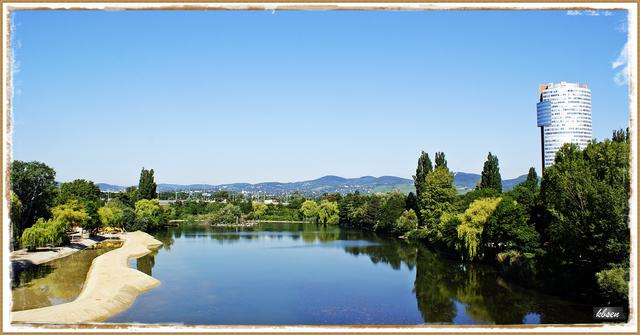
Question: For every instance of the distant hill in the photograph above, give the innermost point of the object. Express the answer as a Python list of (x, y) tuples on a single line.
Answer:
[(110, 188), (467, 181), (464, 182)]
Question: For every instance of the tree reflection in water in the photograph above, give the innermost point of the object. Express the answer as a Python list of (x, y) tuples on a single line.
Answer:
[(448, 291), (54, 282)]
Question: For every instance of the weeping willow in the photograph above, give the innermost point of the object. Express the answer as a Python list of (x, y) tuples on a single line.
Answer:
[(472, 225)]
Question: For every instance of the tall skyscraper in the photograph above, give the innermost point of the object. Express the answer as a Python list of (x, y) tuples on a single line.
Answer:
[(564, 116)]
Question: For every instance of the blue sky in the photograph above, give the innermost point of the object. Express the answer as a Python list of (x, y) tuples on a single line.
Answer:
[(252, 96)]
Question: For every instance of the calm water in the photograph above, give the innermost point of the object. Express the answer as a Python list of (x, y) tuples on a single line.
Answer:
[(55, 282), (310, 274)]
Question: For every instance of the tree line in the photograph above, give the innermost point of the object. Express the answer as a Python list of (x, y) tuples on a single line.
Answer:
[(43, 214), (568, 234)]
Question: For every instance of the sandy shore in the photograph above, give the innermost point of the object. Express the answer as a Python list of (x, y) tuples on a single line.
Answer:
[(110, 288), (22, 259)]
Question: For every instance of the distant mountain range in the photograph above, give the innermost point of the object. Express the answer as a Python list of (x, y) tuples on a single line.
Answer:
[(464, 182)]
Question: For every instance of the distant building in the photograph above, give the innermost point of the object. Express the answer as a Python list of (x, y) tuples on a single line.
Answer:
[(564, 116)]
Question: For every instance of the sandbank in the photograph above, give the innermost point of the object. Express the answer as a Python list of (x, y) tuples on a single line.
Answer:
[(111, 286)]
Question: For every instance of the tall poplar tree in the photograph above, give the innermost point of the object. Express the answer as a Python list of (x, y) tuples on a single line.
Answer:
[(147, 185), (440, 160), (491, 174), (424, 168), (532, 180)]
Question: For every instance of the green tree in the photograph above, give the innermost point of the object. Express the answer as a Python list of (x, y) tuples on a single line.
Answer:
[(229, 214), (412, 202), (149, 213), (310, 210), (392, 206), (246, 205), (113, 214), (406, 222), (438, 196), (367, 214), (147, 188), (620, 136), (508, 228), (34, 185), (614, 284), (328, 212), (72, 214), (129, 219), (133, 194), (532, 180), (88, 195), (53, 232), (15, 215), (259, 209), (79, 189), (585, 194), (424, 168), (463, 201), (296, 200), (527, 194), (124, 198), (472, 223), (440, 160), (220, 195), (44, 233), (491, 174)]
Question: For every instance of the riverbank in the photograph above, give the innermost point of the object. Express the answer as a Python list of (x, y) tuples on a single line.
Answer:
[(111, 286), (21, 259)]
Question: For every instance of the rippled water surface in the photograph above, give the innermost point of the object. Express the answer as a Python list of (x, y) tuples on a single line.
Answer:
[(311, 274)]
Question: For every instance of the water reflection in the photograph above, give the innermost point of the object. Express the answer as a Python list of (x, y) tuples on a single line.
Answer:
[(54, 282), (444, 289), (448, 291)]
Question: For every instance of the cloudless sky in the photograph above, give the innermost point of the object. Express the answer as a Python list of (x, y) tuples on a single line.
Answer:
[(252, 96)]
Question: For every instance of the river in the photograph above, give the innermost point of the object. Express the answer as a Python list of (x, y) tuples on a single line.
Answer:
[(287, 274)]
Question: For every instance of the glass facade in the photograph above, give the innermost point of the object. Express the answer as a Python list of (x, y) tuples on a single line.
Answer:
[(564, 114)]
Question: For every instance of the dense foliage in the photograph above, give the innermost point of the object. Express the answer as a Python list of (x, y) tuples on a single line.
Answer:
[(570, 235), (149, 214), (376, 212), (491, 174), (147, 188), (229, 214), (471, 226), (585, 213), (44, 233), (34, 186), (87, 195), (424, 168)]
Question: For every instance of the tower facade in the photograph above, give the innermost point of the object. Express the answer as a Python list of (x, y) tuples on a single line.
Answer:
[(564, 116)]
